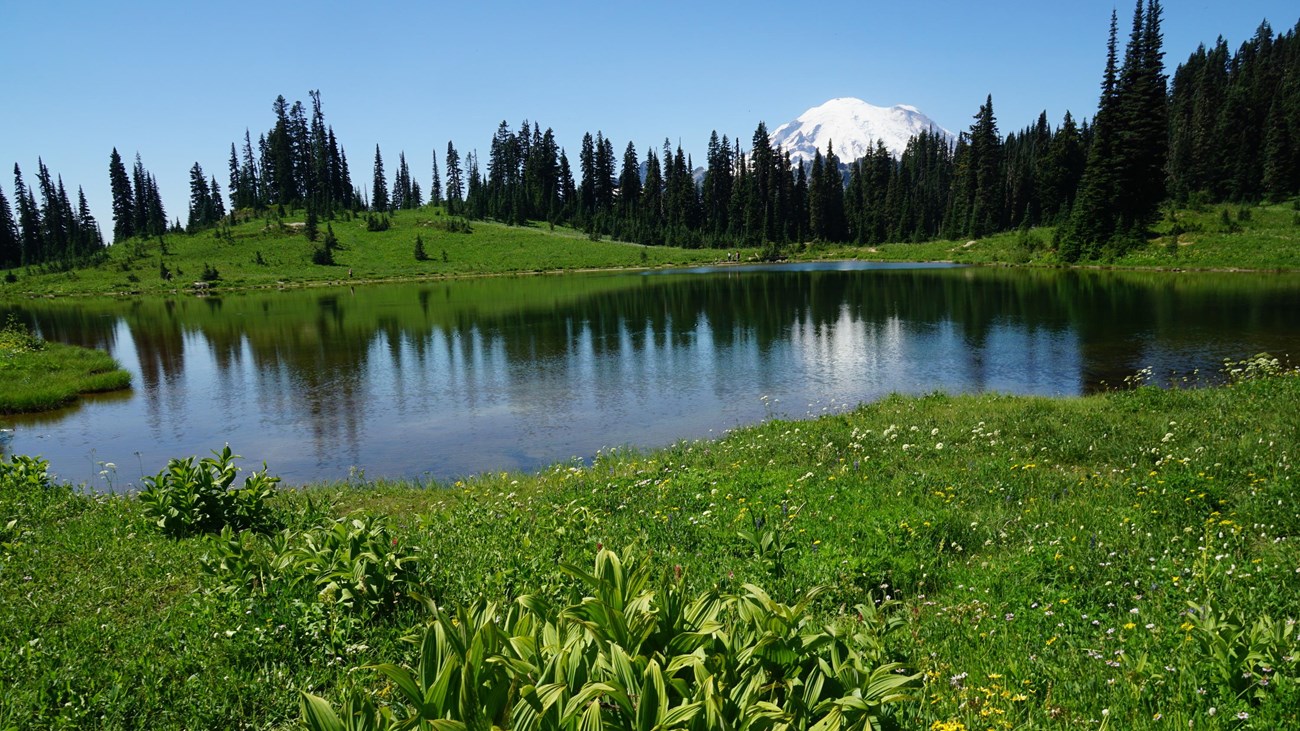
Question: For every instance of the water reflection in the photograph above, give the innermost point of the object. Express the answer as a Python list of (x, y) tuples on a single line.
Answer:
[(452, 378)]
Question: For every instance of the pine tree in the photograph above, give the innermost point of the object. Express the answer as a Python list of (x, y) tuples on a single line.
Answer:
[(29, 221), (629, 183), (123, 201), (379, 187), (455, 180), (201, 213), (986, 160), (435, 183), (11, 252)]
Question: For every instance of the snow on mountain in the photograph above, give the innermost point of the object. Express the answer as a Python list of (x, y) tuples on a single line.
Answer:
[(853, 127)]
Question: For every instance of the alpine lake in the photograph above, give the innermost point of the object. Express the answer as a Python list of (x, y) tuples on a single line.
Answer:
[(441, 379)]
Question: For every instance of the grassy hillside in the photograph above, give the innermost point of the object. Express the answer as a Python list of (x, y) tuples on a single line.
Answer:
[(1123, 561), (1263, 238), (268, 252)]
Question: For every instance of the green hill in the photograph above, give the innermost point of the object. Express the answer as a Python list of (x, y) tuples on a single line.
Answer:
[(270, 251)]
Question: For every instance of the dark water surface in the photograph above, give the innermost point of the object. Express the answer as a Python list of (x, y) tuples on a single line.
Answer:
[(450, 378)]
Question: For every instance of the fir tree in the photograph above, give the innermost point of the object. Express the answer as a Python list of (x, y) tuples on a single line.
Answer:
[(435, 183), (123, 201), (455, 180), (11, 252), (629, 183), (379, 186)]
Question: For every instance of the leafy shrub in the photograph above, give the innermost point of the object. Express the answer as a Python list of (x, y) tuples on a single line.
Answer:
[(355, 565), (24, 474), (636, 654), (1242, 658), (187, 498), (15, 337)]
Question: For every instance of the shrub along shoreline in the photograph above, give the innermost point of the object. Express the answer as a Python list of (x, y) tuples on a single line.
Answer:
[(1124, 560)]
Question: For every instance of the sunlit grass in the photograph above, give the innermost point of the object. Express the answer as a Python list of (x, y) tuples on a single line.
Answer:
[(39, 376), (1059, 562), (267, 251)]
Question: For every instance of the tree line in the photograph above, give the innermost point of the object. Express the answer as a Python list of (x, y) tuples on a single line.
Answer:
[(51, 230), (1226, 127)]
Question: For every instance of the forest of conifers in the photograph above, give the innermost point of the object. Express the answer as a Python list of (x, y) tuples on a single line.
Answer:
[(1224, 127)]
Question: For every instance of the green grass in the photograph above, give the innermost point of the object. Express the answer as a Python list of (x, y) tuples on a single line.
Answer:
[(1047, 555), (40, 376), (286, 256), (1268, 239)]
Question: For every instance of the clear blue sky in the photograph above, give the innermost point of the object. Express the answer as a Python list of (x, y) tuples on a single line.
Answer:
[(179, 81)]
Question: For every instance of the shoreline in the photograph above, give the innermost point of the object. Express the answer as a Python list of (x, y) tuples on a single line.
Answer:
[(371, 281)]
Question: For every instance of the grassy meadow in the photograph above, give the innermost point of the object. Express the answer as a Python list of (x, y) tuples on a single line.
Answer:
[(36, 375), (273, 252), (1126, 560), (1222, 237)]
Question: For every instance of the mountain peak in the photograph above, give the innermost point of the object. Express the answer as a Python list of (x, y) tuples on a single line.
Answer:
[(854, 127)]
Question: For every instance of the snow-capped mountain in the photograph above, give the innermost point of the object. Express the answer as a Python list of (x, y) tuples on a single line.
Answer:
[(853, 127)]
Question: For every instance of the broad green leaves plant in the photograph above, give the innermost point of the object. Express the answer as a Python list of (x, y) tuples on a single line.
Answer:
[(634, 652), (188, 498)]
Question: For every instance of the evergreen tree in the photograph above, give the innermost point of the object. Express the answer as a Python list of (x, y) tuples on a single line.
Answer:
[(201, 209), (455, 180), (123, 200), (379, 187), (629, 183), (11, 251), (29, 221), (719, 177), (1123, 182), (435, 183), (986, 163)]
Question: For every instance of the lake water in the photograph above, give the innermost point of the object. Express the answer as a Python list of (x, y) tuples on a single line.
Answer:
[(445, 379)]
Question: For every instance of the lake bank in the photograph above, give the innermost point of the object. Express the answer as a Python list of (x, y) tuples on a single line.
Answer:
[(36, 375), (267, 253), (1044, 551)]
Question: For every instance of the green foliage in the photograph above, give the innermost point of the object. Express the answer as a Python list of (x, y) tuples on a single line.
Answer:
[(1242, 658), (420, 254), (633, 652), (210, 274), (20, 474), (357, 566), (188, 498), (15, 337)]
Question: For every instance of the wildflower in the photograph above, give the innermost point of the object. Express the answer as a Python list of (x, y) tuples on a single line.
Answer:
[(1242, 715)]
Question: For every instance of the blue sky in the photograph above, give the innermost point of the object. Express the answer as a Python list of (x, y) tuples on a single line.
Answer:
[(178, 81)]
